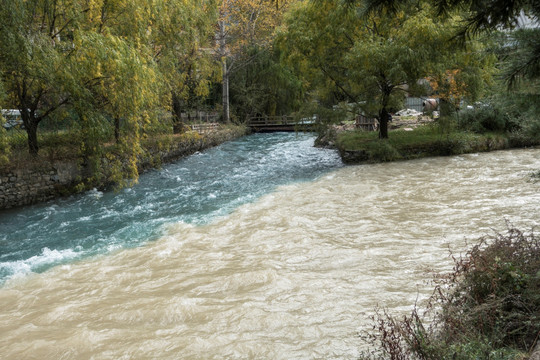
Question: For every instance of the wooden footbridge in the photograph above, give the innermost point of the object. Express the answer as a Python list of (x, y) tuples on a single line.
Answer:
[(280, 123)]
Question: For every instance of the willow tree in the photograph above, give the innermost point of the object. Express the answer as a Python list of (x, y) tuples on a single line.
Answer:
[(264, 86), (182, 41), (76, 54), (125, 84), (88, 59), (35, 48)]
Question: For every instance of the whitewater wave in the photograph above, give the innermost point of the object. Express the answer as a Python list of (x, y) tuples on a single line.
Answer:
[(48, 257)]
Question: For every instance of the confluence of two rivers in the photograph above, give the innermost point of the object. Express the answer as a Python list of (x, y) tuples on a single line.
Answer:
[(264, 247)]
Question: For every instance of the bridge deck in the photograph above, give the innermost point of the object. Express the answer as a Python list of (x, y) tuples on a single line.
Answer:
[(279, 123)]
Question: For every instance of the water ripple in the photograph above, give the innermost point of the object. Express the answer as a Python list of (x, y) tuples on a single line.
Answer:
[(194, 190)]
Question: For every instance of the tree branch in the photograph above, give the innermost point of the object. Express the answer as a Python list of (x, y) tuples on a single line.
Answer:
[(353, 98)]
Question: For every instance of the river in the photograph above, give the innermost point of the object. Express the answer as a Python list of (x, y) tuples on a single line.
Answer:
[(264, 247)]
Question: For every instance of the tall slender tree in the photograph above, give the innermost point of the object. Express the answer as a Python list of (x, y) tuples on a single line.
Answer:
[(243, 25)]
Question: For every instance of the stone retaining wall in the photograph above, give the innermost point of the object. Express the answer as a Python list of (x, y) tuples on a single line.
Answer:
[(29, 186), (48, 181)]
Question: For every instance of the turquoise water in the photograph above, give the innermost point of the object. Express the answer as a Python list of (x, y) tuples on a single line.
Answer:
[(195, 190)]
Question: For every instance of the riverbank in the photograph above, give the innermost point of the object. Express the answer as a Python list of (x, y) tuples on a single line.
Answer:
[(360, 147), (26, 180), (275, 272), (488, 307)]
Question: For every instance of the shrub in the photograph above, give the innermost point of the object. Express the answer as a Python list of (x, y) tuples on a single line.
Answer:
[(532, 129), (485, 119), (382, 151), (444, 125), (487, 308), (449, 146)]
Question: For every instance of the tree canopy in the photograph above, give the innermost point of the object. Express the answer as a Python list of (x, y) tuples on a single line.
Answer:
[(106, 65), (373, 61), (111, 67), (245, 40), (482, 16)]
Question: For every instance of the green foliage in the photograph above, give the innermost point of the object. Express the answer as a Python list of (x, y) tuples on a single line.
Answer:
[(314, 43), (264, 86), (180, 39), (522, 51), (519, 108), (486, 118), (103, 69), (429, 140), (382, 151), (532, 129), (370, 61), (479, 15), (421, 139), (4, 145), (4, 142), (499, 291), (488, 307)]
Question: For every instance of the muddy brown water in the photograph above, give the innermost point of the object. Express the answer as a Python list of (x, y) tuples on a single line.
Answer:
[(294, 275)]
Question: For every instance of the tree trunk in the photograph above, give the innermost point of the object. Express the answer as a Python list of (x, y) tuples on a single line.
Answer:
[(30, 125), (225, 86), (178, 125), (31, 130), (384, 116), (224, 70), (383, 123)]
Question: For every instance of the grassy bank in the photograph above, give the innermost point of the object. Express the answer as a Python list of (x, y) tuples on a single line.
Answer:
[(487, 308), (429, 140)]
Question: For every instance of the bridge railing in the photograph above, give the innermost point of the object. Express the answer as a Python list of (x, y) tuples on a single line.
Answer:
[(269, 120), (278, 120)]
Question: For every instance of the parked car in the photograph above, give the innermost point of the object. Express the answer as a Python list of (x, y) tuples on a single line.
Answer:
[(13, 119)]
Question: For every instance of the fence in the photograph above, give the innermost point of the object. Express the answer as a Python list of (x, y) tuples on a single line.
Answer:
[(204, 128), (365, 123), (414, 103), (200, 117)]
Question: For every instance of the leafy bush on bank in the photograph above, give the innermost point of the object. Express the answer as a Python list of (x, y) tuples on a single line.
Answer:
[(488, 307), (486, 119), (517, 116)]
